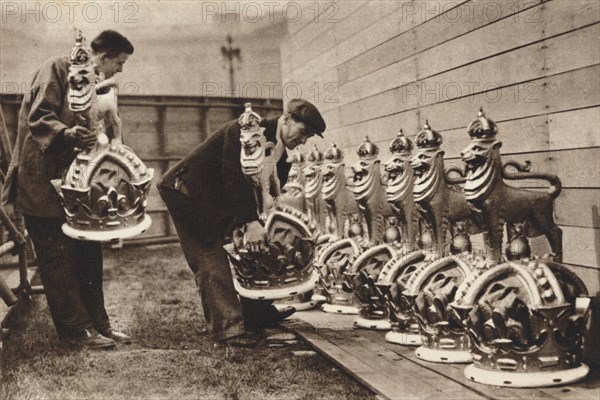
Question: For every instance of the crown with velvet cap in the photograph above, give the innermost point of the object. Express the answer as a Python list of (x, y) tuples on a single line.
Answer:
[(482, 128), (427, 138), (401, 144)]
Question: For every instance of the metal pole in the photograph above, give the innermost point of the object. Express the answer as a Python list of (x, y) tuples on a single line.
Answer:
[(230, 53)]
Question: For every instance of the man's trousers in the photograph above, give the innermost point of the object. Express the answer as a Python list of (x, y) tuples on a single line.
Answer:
[(71, 272), (227, 314)]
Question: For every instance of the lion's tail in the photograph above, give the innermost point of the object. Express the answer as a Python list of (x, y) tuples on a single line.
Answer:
[(524, 172)]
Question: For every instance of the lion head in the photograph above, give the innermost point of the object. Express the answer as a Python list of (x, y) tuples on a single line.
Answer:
[(428, 165), (394, 168), (364, 174), (483, 165), (331, 178), (478, 153), (399, 177), (423, 161), (82, 75), (313, 180), (329, 171), (252, 155)]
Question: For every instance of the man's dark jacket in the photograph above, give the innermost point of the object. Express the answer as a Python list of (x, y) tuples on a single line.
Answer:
[(41, 151), (211, 192)]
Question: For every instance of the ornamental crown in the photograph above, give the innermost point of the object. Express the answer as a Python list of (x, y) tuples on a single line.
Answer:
[(367, 150), (482, 127), (104, 194), (249, 120), (315, 156), (427, 138), (401, 144), (333, 154), (80, 54), (526, 321), (285, 267), (430, 290)]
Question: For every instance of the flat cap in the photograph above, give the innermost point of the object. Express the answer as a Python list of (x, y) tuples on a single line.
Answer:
[(304, 111)]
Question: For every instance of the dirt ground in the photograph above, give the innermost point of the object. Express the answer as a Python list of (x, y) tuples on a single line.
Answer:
[(151, 295)]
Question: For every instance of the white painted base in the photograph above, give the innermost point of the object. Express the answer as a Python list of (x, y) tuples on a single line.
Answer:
[(406, 339), (338, 309), (376, 324), (318, 298), (280, 293), (526, 379), (107, 236), (444, 356), (303, 306)]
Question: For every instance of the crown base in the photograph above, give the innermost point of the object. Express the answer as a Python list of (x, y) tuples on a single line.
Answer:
[(107, 236), (374, 324), (277, 293), (318, 298), (339, 309), (444, 356), (301, 302), (301, 306), (403, 338), (526, 379)]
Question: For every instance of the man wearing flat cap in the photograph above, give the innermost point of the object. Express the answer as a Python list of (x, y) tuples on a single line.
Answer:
[(207, 195)]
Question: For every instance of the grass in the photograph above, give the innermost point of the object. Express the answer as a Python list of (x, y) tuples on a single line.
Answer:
[(151, 295)]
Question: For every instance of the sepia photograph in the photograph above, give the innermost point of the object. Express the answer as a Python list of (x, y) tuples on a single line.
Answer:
[(300, 199)]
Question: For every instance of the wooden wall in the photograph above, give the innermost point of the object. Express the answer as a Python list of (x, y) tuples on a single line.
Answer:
[(533, 65), (161, 130)]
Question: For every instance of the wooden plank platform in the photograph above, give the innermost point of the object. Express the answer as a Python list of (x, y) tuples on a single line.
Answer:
[(394, 372)]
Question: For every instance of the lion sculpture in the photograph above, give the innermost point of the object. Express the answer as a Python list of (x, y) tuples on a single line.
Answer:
[(500, 203)]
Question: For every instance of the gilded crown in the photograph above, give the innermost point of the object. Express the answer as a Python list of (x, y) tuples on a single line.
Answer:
[(367, 150), (80, 54), (401, 144), (285, 268), (315, 156), (104, 194), (482, 127), (333, 262), (365, 270), (333, 154), (427, 138), (526, 321), (249, 120), (430, 290), (391, 285)]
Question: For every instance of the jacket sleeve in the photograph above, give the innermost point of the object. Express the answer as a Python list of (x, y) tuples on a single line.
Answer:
[(47, 96)]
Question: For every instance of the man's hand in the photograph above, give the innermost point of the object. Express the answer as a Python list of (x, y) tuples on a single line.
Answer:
[(106, 85), (80, 136), (256, 237)]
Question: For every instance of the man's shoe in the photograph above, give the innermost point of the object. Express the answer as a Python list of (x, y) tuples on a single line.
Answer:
[(93, 340), (277, 316), (117, 336), (246, 340)]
